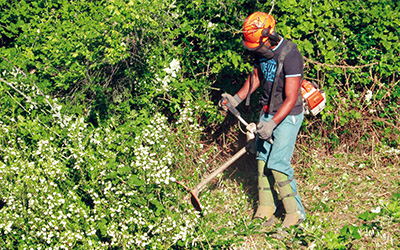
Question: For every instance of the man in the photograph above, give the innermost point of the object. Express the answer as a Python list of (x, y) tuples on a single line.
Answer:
[(281, 115)]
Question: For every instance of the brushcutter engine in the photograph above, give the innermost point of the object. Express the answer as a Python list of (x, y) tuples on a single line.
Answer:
[(314, 99)]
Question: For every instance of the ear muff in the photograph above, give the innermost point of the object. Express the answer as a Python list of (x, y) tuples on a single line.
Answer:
[(266, 32), (273, 36)]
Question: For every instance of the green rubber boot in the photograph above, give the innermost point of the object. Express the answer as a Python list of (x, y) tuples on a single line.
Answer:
[(266, 207), (288, 200)]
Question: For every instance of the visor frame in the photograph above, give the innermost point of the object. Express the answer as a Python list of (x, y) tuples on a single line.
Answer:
[(265, 33), (248, 45)]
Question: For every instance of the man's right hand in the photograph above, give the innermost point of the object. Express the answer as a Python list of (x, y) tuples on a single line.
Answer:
[(265, 128), (233, 100)]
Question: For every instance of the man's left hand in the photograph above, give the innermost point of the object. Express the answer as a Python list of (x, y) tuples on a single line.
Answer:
[(264, 129)]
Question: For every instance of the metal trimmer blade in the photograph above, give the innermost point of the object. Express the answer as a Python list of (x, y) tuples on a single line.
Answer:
[(194, 199)]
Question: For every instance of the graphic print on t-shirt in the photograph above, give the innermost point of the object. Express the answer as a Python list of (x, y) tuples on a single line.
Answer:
[(268, 69)]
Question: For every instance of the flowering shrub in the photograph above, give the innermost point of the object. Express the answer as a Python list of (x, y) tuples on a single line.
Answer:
[(92, 187)]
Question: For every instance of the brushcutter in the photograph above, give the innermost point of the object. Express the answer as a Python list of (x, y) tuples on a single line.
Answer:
[(250, 134), (236, 113)]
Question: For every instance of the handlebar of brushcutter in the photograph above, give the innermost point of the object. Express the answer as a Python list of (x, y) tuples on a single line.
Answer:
[(236, 113)]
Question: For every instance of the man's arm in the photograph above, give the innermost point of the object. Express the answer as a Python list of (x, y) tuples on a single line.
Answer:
[(242, 93), (292, 85)]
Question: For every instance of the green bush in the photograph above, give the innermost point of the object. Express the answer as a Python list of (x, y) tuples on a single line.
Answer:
[(72, 185), (104, 105)]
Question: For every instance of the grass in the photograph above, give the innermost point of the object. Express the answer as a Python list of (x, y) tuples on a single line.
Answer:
[(337, 186)]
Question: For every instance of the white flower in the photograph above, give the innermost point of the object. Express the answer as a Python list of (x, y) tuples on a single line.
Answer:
[(312, 246), (376, 210), (175, 65), (368, 96)]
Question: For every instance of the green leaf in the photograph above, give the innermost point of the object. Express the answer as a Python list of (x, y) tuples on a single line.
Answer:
[(367, 216), (185, 27), (396, 196), (124, 170), (135, 181), (356, 235), (308, 47)]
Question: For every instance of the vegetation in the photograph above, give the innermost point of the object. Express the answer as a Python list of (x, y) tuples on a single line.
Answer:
[(105, 104)]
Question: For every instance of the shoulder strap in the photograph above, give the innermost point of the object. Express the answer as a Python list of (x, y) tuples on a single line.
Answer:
[(250, 87), (285, 50)]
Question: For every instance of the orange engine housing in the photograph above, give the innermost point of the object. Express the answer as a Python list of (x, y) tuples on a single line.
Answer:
[(314, 98)]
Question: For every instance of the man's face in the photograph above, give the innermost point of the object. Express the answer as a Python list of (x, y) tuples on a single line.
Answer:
[(264, 50)]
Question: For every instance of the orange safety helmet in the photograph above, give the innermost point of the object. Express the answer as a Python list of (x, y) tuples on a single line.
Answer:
[(257, 29)]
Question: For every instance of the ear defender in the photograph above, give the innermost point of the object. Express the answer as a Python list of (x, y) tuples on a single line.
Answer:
[(272, 35), (266, 32), (274, 38)]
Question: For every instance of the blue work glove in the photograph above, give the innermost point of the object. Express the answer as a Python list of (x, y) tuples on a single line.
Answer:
[(264, 129), (233, 100)]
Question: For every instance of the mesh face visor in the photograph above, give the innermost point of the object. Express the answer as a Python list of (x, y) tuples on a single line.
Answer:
[(261, 50), (255, 48), (265, 33)]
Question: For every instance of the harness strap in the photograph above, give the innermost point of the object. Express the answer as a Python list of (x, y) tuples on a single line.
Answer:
[(250, 87), (274, 102)]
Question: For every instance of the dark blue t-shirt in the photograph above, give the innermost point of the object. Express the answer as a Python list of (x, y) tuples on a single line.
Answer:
[(292, 67)]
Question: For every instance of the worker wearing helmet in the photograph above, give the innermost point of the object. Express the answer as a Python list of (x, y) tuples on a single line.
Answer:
[(281, 115)]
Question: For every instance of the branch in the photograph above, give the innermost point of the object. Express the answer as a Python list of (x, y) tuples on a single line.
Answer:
[(339, 66), (12, 86), (18, 103), (26, 98)]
